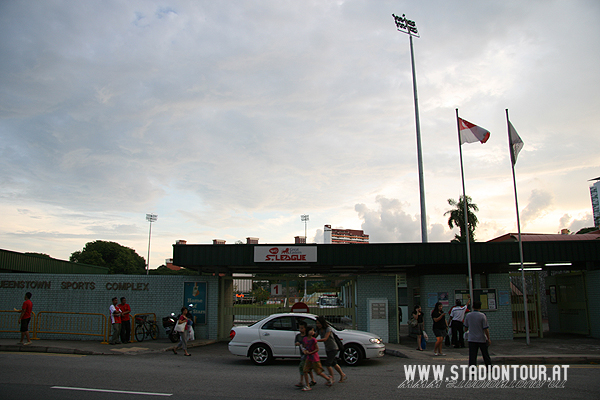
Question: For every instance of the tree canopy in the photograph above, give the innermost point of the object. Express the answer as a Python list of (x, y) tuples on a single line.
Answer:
[(119, 259), (457, 218), (587, 230)]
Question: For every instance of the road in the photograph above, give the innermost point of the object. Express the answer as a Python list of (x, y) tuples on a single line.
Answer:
[(212, 373)]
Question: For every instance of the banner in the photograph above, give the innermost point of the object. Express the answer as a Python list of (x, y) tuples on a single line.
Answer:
[(285, 254)]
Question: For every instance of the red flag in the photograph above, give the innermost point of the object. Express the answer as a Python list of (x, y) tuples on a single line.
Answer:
[(470, 133)]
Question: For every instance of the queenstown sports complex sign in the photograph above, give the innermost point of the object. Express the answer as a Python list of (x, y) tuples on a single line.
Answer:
[(285, 254)]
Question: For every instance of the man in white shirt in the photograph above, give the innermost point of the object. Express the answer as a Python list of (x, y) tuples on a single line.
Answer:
[(458, 315)]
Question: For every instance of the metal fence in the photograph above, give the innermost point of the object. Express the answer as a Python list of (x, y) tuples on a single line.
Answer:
[(71, 323)]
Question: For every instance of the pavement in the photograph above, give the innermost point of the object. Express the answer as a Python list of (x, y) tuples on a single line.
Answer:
[(94, 347), (552, 349)]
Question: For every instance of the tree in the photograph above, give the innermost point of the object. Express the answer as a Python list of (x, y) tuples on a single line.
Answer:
[(119, 259), (457, 218), (587, 230)]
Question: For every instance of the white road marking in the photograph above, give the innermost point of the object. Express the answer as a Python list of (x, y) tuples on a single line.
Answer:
[(111, 391)]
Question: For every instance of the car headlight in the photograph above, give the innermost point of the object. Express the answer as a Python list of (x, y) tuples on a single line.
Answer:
[(376, 340)]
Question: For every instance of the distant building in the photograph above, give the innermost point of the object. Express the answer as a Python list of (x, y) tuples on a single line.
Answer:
[(169, 264), (340, 236), (251, 240), (594, 191), (299, 239)]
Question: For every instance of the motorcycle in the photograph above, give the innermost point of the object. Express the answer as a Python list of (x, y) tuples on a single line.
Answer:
[(169, 325)]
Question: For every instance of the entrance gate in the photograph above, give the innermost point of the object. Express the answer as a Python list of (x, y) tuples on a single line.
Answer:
[(572, 303), (247, 299), (534, 310)]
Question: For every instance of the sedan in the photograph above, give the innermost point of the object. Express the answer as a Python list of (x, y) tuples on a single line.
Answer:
[(273, 337)]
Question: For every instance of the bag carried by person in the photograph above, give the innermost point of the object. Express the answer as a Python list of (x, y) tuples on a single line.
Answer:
[(180, 326), (413, 322), (338, 342)]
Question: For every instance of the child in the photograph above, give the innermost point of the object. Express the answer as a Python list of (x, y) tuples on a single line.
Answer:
[(299, 338), (313, 362)]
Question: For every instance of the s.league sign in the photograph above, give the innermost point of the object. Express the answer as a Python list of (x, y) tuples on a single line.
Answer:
[(285, 254)]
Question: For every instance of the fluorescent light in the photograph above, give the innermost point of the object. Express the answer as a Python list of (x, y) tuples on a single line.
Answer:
[(533, 269), (525, 263), (565, 264)]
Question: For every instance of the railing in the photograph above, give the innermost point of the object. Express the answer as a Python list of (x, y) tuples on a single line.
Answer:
[(72, 323), (9, 322)]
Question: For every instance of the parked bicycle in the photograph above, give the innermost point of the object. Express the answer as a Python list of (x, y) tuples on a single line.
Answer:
[(145, 328)]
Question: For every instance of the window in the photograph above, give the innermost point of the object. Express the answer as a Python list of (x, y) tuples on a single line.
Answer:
[(280, 324)]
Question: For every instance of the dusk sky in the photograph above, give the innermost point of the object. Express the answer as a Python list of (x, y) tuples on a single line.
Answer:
[(231, 119)]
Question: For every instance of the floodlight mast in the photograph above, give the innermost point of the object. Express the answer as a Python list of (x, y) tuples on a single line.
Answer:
[(409, 27), (150, 218), (304, 218)]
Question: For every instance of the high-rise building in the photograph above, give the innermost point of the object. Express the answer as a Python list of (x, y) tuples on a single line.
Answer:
[(338, 236), (594, 191)]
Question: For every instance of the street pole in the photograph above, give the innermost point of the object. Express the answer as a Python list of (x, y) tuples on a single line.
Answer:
[(150, 218), (409, 27)]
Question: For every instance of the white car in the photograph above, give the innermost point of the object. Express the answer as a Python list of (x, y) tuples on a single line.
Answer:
[(273, 337)]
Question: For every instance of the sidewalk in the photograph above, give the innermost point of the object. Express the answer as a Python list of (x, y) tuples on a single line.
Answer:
[(93, 347), (552, 349)]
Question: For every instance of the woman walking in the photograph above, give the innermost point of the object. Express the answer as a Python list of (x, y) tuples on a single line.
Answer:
[(439, 328), (181, 327), (331, 348)]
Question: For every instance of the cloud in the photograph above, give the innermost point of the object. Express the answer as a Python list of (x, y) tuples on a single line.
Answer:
[(540, 203), (226, 118), (575, 224), (389, 223)]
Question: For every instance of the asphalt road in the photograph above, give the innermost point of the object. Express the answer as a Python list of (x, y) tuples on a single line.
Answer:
[(213, 373)]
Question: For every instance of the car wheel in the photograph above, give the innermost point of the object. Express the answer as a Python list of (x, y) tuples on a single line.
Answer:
[(352, 355), (260, 354)]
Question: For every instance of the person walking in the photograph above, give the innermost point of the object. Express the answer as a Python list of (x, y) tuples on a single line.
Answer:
[(125, 321), (417, 315), (115, 320), (300, 343), (458, 316), (313, 362), (439, 328), (479, 335), (331, 348), (24, 319), (181, 327)]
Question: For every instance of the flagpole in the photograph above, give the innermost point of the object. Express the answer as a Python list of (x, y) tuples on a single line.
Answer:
[(512, 164), (462, 174)]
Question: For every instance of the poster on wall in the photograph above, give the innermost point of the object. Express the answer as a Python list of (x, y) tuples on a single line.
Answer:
[(432, 298), (487, 297), (194, 294)]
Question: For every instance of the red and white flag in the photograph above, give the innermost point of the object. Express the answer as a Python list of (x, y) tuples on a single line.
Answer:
[(470, 133)]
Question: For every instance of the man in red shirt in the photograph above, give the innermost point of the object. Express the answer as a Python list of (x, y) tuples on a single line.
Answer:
[(24, 319), (125, 321)]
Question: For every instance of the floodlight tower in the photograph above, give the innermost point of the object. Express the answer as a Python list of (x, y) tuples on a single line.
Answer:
[(150, 218), (409, 27), (304, 218)]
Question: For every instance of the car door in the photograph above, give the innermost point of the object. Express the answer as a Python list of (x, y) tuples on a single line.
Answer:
[(280, 333)]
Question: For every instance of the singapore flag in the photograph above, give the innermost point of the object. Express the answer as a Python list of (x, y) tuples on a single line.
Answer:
[(470, 133)]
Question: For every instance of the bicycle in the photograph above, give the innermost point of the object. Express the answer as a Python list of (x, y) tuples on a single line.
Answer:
[(145, 328)]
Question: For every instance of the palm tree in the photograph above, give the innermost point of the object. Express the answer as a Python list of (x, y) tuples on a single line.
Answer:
[(457, 218)]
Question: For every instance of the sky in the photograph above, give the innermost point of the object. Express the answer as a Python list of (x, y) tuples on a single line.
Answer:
[(231, 119)]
